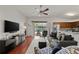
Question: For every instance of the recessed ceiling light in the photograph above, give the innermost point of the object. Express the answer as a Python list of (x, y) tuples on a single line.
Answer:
[(70, 14)]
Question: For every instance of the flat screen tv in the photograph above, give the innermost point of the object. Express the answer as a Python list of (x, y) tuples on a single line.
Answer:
[(10, 26)]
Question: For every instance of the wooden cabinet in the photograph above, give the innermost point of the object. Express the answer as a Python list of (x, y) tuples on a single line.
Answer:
[(68, 24), (77, 24), (65, 24)]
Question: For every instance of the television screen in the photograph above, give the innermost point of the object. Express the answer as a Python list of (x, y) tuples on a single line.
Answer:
[(10, 26)]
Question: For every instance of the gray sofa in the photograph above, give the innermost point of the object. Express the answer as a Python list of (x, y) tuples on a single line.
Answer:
[(68, 41)]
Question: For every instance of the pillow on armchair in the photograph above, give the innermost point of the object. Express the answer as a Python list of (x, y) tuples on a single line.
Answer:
[(57, 48)]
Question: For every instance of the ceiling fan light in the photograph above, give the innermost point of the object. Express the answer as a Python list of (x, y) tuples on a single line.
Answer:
[(37, 10)]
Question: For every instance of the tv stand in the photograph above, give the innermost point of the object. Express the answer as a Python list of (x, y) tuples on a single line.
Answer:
[(7, 45)]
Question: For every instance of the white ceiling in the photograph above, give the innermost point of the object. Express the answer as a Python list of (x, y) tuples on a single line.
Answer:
[(55, 11)]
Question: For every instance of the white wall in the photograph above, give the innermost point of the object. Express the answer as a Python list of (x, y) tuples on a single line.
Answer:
[(1, 26), (11, 14)]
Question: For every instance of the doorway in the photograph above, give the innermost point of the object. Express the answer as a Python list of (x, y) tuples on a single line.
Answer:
[(39, 27)]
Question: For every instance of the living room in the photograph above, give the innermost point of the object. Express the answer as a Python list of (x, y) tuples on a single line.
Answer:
[(17, 23)]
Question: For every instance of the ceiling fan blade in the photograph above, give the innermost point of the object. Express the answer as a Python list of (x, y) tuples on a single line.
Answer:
[(45, 10), (45, 13)]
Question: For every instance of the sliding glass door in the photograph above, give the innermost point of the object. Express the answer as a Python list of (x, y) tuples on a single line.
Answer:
[(39, 27)]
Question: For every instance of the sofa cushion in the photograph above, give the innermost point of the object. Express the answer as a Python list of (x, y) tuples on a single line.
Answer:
[(68, 37)]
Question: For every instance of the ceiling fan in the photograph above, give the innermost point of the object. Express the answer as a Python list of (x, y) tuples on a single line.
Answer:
[(43, 11)]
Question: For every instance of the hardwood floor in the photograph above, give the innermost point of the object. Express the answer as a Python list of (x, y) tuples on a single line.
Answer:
[(22, 48)]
